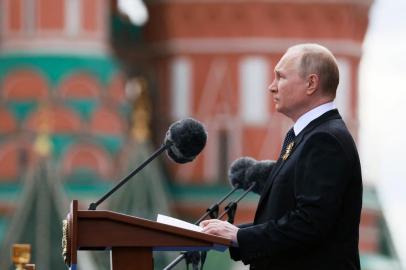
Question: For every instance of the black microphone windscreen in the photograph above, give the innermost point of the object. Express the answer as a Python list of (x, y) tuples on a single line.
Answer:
[(176, 158), (236, 173), (259, 173), (188, 138)]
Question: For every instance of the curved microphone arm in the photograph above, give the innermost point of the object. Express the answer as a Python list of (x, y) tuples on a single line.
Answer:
[(231, 207), (212, 211), (163, 147)]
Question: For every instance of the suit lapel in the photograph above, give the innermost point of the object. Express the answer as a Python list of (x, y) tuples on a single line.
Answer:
[(274, 173), (333, 114)]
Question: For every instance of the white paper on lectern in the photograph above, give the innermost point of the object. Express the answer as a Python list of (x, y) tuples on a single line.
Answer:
[(185, 225), (178, 223)]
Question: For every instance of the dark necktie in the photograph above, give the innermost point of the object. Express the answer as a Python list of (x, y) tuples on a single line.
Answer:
[(290, 137)]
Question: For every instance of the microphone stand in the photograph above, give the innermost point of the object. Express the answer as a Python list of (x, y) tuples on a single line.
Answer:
[(230, 210), (163, 147), (212, 211), (231, 207)]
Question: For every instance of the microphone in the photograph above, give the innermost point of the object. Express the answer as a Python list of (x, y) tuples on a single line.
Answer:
[(258, 173), (184, 140), (237, 172), (236, 176), (245, 173), (187, 138)]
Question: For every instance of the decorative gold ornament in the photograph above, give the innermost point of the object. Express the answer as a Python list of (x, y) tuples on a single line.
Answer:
[(21, 255), (137, 91), (65, 242), (43, 143), (288, 150)]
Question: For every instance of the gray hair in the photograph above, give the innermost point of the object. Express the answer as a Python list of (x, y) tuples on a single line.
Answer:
[(316, 59)]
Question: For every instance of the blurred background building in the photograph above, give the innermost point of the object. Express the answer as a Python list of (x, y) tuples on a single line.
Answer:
[(86, 95)]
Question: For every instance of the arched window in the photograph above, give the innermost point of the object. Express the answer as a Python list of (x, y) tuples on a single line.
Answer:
[(14, 157), (22, 91), (106, 121), (24, 85), (81, 92), (7, 122), (87, 157), (80, 86), (55, 119)]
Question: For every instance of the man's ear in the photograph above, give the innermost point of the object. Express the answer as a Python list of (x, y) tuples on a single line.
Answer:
[(312, 84)]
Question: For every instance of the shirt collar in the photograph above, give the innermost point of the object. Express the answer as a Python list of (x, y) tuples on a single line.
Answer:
[(314, 113)]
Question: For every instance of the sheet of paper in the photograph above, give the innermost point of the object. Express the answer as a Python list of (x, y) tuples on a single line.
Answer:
[(178, 223)]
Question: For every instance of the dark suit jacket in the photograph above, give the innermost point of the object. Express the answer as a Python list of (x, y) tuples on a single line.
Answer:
[(309, 211)]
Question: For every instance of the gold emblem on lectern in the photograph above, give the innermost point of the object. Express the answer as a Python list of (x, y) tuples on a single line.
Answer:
[(65, 242), (288, 150), (21, 255)]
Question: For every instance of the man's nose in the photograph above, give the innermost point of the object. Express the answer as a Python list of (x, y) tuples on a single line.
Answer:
[(272, 87)]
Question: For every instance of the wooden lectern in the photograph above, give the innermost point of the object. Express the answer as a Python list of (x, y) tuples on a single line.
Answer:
[(130, 239)]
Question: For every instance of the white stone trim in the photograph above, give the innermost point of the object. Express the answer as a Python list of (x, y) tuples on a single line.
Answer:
[(181, 84), (54, 46), (251, 45), (3, 18), (335, 2), (30, 16), (73, 17), (345, 91), (253, 73)]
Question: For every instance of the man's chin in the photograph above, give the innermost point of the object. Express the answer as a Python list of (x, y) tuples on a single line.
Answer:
[(280, 110)]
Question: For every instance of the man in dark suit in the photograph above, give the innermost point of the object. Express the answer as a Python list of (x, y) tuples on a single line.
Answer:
[(309, 211)]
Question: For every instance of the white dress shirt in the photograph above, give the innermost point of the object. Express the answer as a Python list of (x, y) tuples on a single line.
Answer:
[(306, 118)]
